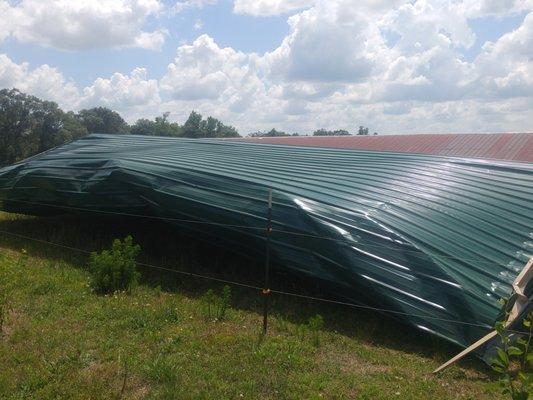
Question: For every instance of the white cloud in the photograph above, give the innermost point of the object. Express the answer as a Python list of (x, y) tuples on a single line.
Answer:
[(122, 91), (44, 82), (481, 8), (330, 42), (203, 70), (187, 4), (119, 92), (80, 24), (151, 40), (506, 67), (269, 7), (5, 21)]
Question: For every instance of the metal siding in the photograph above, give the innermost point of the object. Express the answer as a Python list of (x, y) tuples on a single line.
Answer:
[(502, 146), (436, 238)]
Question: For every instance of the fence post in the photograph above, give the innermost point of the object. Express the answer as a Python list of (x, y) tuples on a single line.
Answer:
[(266, 285)]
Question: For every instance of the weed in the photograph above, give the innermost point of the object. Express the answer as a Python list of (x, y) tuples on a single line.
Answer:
[(217, 306), (125, 374), (161, 369), (115, 269), (3, 306), (209, 300), (283, 324), (170, 314), (300, 331), (513, 360), (315, 324), (23, 258), (224, 303)]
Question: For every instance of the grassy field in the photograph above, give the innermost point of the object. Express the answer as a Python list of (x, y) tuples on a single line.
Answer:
[(61, 341)]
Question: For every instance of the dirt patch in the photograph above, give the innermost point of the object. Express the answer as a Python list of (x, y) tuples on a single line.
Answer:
[(111, 376), (13, 319), (350, 363)]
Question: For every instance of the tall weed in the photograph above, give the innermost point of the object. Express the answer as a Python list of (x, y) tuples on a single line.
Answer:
[(115, 269)]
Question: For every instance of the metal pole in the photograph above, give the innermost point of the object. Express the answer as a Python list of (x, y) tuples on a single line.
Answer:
[(266, 286)]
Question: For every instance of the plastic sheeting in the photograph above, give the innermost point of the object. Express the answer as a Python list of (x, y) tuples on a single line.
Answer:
[(438, 240)]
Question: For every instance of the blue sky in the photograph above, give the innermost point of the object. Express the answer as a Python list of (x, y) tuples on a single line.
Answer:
[(242, 32), (299, 65)]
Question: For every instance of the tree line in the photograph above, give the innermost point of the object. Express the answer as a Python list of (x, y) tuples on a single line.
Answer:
[(29, 125), (361, 131)]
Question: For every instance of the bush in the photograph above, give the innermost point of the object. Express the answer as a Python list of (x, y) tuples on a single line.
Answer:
[(514, 359), (115, 269), (217, 306)]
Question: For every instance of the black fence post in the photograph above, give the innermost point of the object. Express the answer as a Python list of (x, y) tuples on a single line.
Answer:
[(266, 285)]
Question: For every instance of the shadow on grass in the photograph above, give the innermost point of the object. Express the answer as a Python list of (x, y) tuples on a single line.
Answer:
[(164, 245)]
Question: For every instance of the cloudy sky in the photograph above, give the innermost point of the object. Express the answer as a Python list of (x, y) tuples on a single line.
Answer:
[(298, 65)]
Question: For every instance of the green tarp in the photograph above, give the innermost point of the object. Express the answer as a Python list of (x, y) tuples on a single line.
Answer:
[(438, 240)]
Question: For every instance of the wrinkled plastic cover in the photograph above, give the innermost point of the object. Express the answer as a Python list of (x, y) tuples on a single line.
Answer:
[(437, 239)]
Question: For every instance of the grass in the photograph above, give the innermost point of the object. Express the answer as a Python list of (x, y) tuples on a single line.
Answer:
[(61, 341)]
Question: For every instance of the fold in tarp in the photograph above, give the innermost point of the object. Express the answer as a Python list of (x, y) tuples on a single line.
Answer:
[(438, 240)]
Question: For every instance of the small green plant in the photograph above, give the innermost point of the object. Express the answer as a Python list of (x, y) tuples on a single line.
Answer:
[(217, 306), (513, 360), (125, 368), (23, 258), (161, 369), (224, 303), (3, 306), (115, 269), (316, 324), (171, 315), (209, 300), (300, 331)]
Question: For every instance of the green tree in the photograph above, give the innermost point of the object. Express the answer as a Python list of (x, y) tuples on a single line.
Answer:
[(324, 132), (29, 125), (362, 131), (103, 120), (159, 127), (197, 127), (225, 131), (271, 133), (209, 127), (193, 126), (143, 126)]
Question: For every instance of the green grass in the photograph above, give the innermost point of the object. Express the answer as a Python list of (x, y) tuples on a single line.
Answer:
[(61, 341)]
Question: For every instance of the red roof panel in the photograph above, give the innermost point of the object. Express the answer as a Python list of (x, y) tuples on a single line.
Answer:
[(502, 146)]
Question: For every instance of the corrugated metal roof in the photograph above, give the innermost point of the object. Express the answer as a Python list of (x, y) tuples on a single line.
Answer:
[(438, 239), (500, 146)]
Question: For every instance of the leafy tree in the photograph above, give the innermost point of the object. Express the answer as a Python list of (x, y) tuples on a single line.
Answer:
[(197, 127), (103, 120), (225, 131), (29, 125), (159, 127), (193, 126), (143, 126), (271, 133), (209, 126), (324, 132), (362, 131)]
